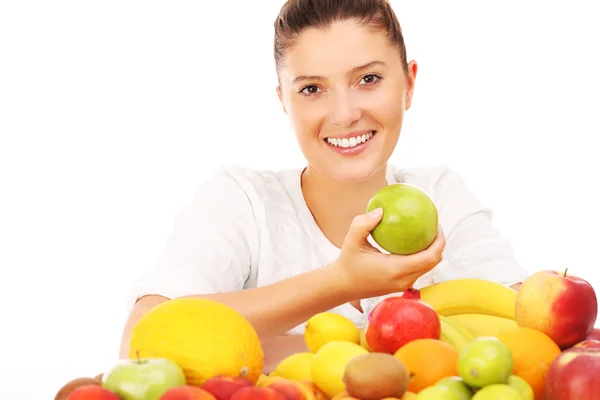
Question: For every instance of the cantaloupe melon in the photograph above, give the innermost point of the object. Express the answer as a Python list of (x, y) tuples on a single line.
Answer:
[(204, 337)]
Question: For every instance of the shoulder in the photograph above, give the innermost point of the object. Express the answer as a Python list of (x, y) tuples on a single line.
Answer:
[(249, 184), (446, 187), (434, 179)]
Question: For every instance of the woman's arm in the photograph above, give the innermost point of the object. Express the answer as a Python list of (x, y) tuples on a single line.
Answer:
[(275, 348), (360, 271), (273, 309)]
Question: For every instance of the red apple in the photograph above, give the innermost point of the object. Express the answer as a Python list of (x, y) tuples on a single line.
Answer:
[(224, 387), (562, 306), (66, 390), (595, 334), (92, 392), (398, 320), (256, 393), (573, 375), (187, 392), (292, 390), (587, 344)]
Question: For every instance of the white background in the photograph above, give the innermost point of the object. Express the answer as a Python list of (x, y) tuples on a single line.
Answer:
[(113, 112)]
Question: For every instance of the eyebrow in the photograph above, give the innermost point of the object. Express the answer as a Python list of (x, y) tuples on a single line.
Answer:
[(352, 71)]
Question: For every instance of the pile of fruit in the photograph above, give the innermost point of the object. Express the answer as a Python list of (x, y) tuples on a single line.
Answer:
[(456, 340)]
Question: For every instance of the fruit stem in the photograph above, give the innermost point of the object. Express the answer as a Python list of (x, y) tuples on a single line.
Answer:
[(565, 275), (412, 293), (137, 354)]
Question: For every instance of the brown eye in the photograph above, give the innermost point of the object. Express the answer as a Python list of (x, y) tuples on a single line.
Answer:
[(370, 79), (310, 90)]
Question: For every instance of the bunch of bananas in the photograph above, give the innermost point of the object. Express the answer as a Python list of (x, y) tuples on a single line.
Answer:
[(469, 308)]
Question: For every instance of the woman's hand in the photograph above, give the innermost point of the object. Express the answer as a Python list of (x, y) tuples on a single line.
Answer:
[(367, 272)]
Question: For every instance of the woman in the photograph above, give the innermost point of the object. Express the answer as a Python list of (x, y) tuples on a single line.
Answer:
[(281, 246)]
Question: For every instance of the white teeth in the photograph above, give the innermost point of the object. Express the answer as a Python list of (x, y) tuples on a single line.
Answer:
[(350, 142)]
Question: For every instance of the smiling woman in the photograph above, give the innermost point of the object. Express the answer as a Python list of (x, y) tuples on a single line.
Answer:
[(281, 246)]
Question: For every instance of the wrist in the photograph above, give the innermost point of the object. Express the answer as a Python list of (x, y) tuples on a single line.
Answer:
[(339, 284)]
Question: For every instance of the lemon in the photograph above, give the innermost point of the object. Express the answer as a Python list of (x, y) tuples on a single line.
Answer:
[(363, 339), (326, 327), (329, 364), (261, 379), (295, 367)]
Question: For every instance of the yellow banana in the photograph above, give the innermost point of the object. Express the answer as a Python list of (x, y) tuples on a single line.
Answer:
[(454, 337), (470, 296), (458, 327), (482, 324)]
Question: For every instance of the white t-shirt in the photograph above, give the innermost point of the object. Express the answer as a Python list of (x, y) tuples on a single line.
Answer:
[(248, 228)]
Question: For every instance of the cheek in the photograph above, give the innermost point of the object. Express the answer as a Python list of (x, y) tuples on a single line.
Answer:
[(306, 118), (388, 106)]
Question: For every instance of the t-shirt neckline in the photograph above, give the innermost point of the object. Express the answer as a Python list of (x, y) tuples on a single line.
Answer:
[(322, 243)]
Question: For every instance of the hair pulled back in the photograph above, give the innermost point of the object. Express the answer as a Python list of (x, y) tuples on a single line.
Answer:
[(296, 16)]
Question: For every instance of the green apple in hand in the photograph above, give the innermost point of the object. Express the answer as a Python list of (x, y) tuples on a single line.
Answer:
[(143, 378), (410, 219)]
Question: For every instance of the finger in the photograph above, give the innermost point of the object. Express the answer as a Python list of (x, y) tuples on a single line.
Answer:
[(408, 280), (427, 259), (439, 242), (362, 225), (411, 278)]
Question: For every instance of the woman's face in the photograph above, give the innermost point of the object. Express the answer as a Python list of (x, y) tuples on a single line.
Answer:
[(345, 92)]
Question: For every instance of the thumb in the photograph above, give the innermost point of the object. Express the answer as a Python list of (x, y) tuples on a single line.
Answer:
[(363, 224)]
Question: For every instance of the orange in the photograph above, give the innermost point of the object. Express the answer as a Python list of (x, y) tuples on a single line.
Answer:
[(428, 361), (533, 351)]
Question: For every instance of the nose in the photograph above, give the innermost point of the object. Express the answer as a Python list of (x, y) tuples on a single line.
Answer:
[(344, 109)]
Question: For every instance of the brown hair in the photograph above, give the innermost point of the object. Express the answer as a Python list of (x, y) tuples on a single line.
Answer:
[(297, 15)]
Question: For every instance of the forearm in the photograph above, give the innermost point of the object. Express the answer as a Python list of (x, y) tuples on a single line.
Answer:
[(276, 308), (272, 309)]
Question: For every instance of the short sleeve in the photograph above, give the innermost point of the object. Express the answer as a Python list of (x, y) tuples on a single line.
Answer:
[(211, 246), (474, 247)]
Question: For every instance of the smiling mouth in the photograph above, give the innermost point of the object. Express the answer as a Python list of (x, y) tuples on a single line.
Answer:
[(351, 142)]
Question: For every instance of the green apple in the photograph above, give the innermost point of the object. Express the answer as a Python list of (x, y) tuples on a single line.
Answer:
[(497, 391), (521, 386), (458, 386), (437, 393), (143, 378), (410, 219)]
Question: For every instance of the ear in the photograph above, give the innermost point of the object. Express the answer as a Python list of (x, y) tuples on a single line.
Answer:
[(278, 90), (410, 79)]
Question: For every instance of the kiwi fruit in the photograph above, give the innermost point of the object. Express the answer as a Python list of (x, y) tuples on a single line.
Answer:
[(375, 376), (66, 390)]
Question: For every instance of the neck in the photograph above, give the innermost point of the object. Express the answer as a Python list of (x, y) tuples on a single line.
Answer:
[(334, 204)]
